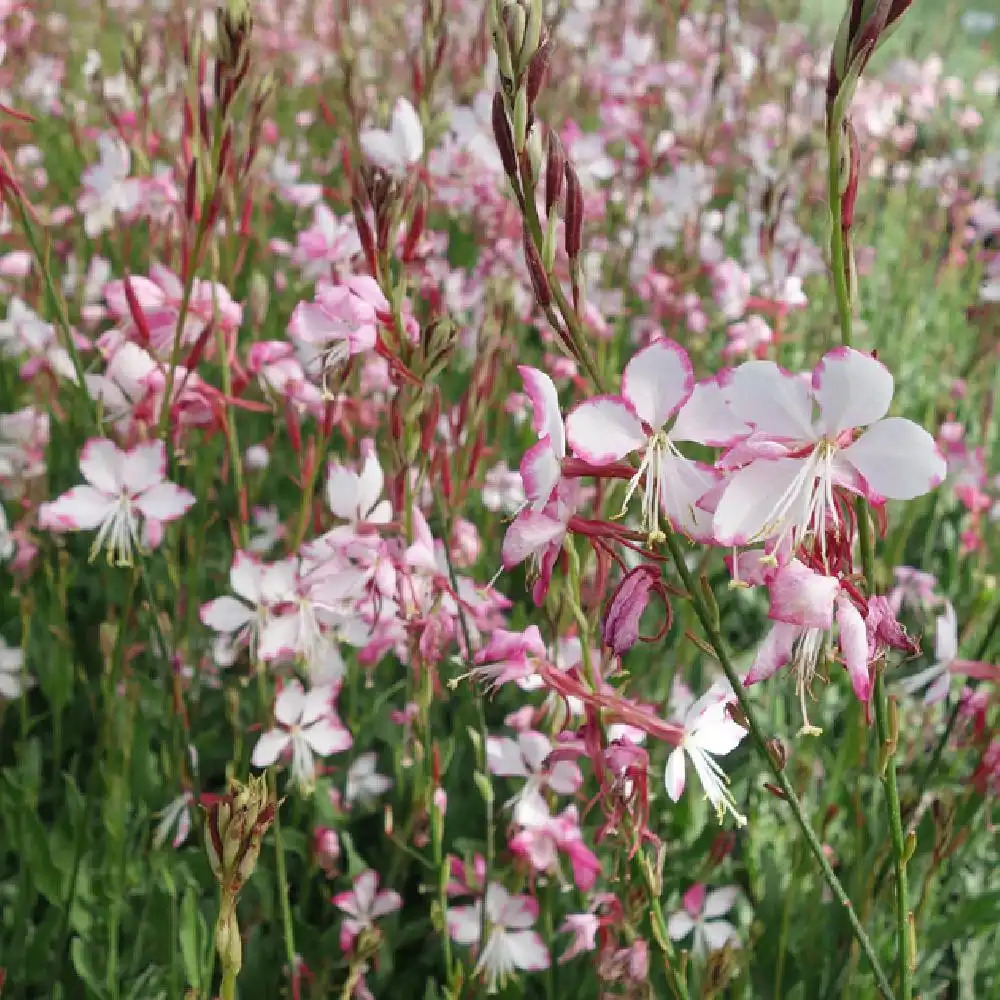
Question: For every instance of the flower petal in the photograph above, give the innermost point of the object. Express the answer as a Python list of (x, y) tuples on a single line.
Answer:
[(802, 596), (775, 651), (673, 776), (79, 509), (898, 459), (270, 747), (289, 704), (326, 737), (503, 756), (682, 485), (225, 614), (101, 463), (164, 502), (707, 416), (854, 647), (540, 471), (746, 508), (144, 466), (776, 402), (852, 390), (546, 417), (720, 901), (604, 429), (658, 381), (529, 533), (679, 925)]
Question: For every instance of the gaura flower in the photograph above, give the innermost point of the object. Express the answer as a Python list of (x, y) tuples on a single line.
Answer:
[(701, 914), (364, 904), (397, 149), (657, 386), (803, 445), (121, 485)]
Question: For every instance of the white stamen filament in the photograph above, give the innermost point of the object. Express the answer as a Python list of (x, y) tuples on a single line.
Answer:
[(804, 659), (119, 532)]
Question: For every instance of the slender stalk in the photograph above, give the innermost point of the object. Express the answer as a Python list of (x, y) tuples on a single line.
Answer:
[(228, 991), (706, 617), (886, 738), (288, 927)]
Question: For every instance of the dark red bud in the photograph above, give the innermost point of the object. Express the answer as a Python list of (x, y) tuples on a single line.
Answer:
[(574, 212), (555, 171), (537, 70), (504, 136), (536, 271)]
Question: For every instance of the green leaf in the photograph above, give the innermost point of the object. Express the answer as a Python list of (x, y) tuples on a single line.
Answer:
[(193, 934), (81, 962)]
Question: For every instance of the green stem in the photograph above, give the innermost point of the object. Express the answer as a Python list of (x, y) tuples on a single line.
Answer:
[(228, 991), (866, 544), (707, 619)]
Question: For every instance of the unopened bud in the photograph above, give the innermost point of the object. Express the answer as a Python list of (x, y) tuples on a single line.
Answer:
[(503, 136), (777, 752), (520, 119), (555, 166), (484, 786), (227, 940), (515, 19), (537, 70), (549, 245), (536, 271)]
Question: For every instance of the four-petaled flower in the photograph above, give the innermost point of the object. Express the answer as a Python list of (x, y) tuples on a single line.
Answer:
[(364, 904), (121, 486), (701, 913), (307, 724)]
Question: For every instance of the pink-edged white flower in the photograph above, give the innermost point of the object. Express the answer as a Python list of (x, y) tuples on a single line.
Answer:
[(510, 945), (356, 496), (307, 725), (401, 146), (541, 466), (543, 837), (701, 914), (936, 679), (584, 928), (260, 586), (509, 656), (526, 757), (657, 384), (803, 445), (709, 732), (107, 188), (364, 904), (175, 822), (364, 783), (804, 605), (121, 486), (13, 680)]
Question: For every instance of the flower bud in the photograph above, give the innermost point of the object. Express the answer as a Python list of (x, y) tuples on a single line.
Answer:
[(520, 120), (503, 136), (555, 166), (536, 271), (574, 212), (620, 625), (227, 940)]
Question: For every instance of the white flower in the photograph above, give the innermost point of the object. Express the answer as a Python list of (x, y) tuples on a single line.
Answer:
[(107, 187), (308, 725), (700, 914), (401, 146), (122, 485), (708, 731), (364, 783), (509, 944)]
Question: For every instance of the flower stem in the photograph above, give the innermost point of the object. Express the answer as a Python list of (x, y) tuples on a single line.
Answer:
[(715, 640), (228, 991), (842, 293)]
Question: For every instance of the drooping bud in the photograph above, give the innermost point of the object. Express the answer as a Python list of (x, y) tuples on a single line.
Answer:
[(620, 624)]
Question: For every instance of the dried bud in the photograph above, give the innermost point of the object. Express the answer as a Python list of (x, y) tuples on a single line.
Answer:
[(365, 236), (777, 752), (234, 829), (574, 212), (555, 166), (503, 136), (536, 271)]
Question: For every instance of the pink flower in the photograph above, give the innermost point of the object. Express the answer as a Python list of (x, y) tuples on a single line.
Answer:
[(543, 837), (804, 604), (527, 757), (656, 385), (307, 724), (709, 732), (700, 915), (510, 656), (794, 458), (364, 904), (510, 945), (541, 466), (584, 928), (121, 486)]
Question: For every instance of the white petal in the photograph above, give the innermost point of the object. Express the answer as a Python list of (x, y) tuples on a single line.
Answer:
[(803, 596), (101, 463), (370, 484), (80, 509), (164, 502), (289, 704), (708, 418), (225, 614), (318, 703), (604, 429), (852, 389), (528, 951), (898, 459), (658, 381), (270, 747), (144, 466), (682, 484), (546, 417), (245, 577), (774, 652), (776, 402), (407, 131), (504, 758), (718, 933), (342, 490), (720, 901), (529, 532), (674, 776), (464, 923), (326, 737), (744, 513), (679, 925), (946, 636)]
